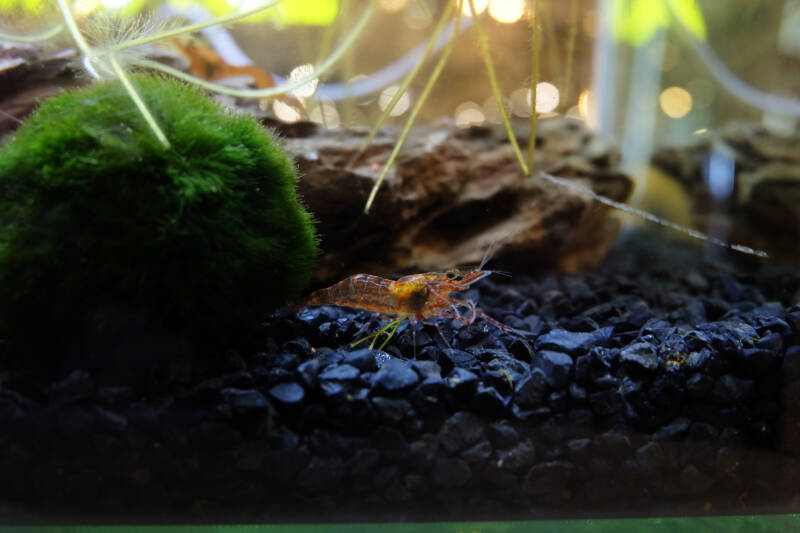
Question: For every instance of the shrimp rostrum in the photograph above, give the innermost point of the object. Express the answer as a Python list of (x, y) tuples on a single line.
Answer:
[(422, 298)]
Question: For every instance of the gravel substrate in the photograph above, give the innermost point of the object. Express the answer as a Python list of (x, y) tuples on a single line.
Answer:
[(662, 383)]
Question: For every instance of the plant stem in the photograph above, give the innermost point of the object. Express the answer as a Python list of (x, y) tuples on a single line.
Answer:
[(415, 110), (272, 91), (406, 82), (498, 97), (536, 36), (148, 117), (573, 35), (225, 19)]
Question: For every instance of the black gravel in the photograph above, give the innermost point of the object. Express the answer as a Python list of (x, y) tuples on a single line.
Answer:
[(665, 382)]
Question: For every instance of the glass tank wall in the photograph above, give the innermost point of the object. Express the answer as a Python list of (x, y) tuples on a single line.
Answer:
[(398, 260)]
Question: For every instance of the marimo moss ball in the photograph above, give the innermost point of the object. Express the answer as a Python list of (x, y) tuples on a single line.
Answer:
[(96, 214)]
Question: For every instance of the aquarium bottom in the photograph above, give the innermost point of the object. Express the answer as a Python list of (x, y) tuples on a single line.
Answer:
[(663, 383)]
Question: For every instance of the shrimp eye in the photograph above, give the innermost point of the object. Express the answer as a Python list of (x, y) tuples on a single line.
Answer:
[(451, 274)]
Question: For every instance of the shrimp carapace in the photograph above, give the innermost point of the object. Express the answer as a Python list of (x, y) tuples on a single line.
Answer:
[(417, 297)]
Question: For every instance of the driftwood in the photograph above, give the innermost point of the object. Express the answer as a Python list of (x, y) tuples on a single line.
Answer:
[(451, 194)]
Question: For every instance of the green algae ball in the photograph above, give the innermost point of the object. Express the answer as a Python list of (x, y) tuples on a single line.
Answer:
[(96, 214)]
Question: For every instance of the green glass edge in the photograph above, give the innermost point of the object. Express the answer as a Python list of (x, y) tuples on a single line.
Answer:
[(729, 524)]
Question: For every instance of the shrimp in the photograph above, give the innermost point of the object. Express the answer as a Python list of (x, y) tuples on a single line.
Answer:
[(417, 297)]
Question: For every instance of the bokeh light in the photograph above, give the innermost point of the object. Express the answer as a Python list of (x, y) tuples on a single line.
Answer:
[(393, 6), (491, 112), (300, 72), (469, 114), (284, 111), (402, 104), (521, 102), (675, 102), (585, 105), (480, 7), (418, 15), (506, 11), (114, 4), (547, 97), (326, 115)]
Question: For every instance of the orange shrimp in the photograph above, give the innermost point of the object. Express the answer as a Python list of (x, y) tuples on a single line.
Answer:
[(417, 297)]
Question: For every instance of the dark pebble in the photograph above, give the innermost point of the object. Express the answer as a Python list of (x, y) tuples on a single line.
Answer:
[(392, 410), (556, 367), (427, 369), (462, 381), (641, 355), (548, 478), (244, 401), (288, 394), (308, 372), (791, 364), (605, 402), (530, 392), (477, 455), (460, 431), (340, 372), (558, 401), (502, 435), (451, 472), (73, 387), (650, 458), (572, 342), (364, 360), (300, 347), (519, 456), (395, 376), (321, 474), (332, 389), (674, 429), (730, 390), (489, 402)]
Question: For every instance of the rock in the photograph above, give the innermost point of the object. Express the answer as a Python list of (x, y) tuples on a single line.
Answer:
[(477, 455), (427, 369), (451, 472), (460, 431), (519, 456), (791, 364), (321, 474), (546, 478), (674, 429), (244, 401), (462, 382), (530, 392), (308, 372), (730, 390), (650, 458), (77, 385), (572, 342), (392, 410), (605, 402), (394, 376), (558, 401), (640, 355), (363, 360), (489, 402), (288, 394), (339, 372), (556, 367), (502, 435)]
